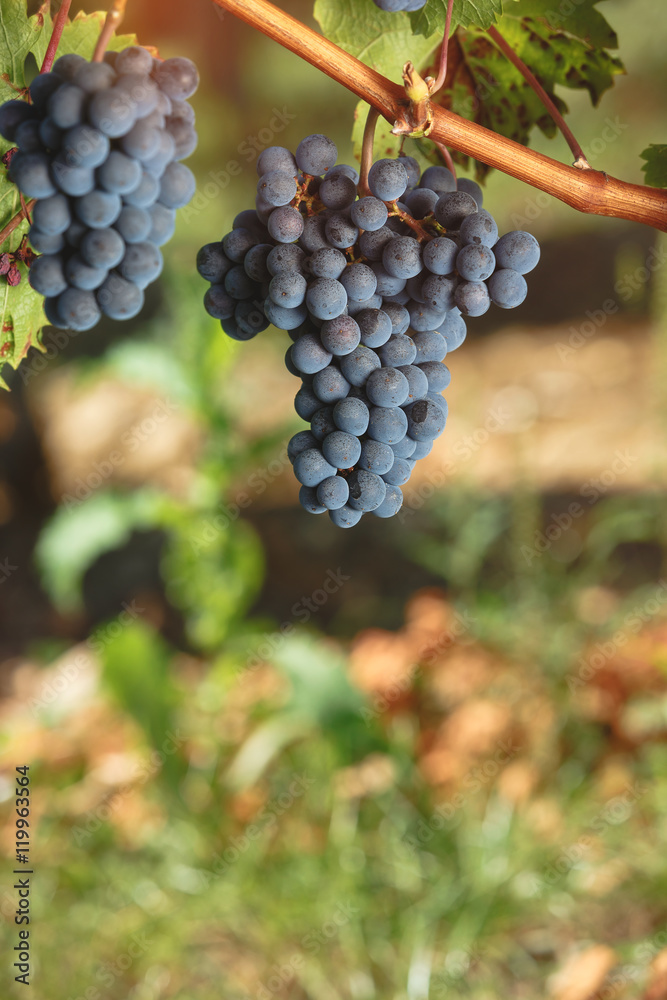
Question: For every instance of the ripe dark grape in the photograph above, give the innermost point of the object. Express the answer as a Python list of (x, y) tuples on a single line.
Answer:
[(99, 148), (438, 179), (30, 172), (367, 490), (369, 213), (507, 288), (177, 78), (327, 263), (163, 223), (78, 309), (311, 467), (52, 215), (316, 154), (322, 423), (387, 179), (340, 336), (309, 354), (47, 275), (102, 248), (133, 224), (341, 449), (518, 250), (118, 298), (81, 275), (372, 306), (333, 492)]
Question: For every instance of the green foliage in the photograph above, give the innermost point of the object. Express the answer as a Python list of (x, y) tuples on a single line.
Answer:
[(655, 168), (383, 41), (212, 568), (79, 532), (23, 43), (21, 313), (569, 50), (136, 665), (212, 563), (467, 13)]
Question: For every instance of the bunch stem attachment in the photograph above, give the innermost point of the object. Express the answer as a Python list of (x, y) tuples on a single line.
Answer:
[(112, 23)]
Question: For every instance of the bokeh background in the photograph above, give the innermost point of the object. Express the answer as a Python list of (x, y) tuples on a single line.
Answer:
[(423, 758)]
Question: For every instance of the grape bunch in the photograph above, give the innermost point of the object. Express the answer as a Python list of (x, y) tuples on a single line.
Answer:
[(392, 6), (99, 147), (373, 290)]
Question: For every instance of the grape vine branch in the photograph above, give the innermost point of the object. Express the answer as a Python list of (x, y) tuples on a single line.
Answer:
[(54, 41), (588, 191), (580, 159), (23, 213)]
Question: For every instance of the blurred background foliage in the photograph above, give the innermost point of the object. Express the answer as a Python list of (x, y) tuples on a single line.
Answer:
[(270, 758)]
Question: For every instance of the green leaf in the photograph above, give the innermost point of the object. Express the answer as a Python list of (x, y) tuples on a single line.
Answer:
[(19, 35), (22, 38), (21, 313), (579, 19), (21, 310), (212, 568), (79, 532), (136, 667), (383, 41), (655, 168), (567, 50), (467, 13), (81, 34)]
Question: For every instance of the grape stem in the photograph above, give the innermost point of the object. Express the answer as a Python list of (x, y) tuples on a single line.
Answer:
[(56, 35), (22, 214), (367, 149), (394, 210), (112, 21), (580, 160), (442, 69), (447, 157), (587, 191)]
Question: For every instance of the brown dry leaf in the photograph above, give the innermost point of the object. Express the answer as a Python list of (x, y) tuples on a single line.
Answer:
[(135, 817), (614, 777), (380, 659), (461, 673), (375, 774), (583, 974), (657, 987), (546, 819), (475, 727), (518, 780), (443, 766), (245, 806), (604, 878), (428, 617)]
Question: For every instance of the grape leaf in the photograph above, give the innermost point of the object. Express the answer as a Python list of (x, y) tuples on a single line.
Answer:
[(383, 41), (655, 168), (570, 50), (81, 34), (21, 313), (467, 13), (21, 38)]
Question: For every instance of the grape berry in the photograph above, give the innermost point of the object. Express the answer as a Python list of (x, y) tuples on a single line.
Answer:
[(347, 277), (100, 148)]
